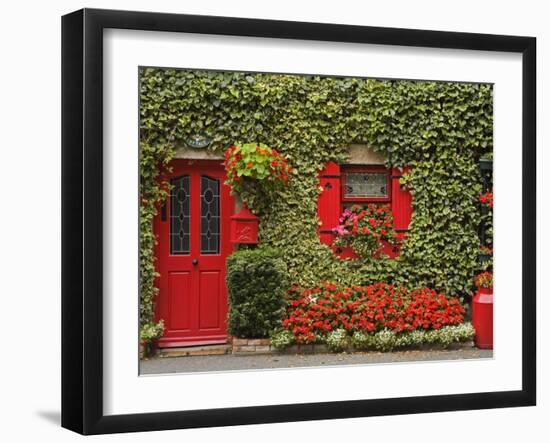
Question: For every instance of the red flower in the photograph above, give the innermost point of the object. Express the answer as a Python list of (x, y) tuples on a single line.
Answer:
[(368, 309), (486, 199)]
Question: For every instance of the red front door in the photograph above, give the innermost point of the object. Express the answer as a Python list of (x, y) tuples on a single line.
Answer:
[(192, 232)]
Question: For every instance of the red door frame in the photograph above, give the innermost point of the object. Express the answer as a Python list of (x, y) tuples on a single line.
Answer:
[(192, 298)]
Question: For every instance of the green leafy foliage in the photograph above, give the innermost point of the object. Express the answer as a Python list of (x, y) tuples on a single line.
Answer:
[(255, 162), (385, 340), (151, 331), (337, 340), (281, 339), (440, 129), (364, 227), (256, 283)]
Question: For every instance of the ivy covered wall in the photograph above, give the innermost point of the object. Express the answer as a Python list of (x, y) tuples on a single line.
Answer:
[(440, 129)]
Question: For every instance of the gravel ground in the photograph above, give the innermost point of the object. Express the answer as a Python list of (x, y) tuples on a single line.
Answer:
[(167, 365)]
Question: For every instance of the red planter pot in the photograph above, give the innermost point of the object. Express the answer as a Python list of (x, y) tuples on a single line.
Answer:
[(482, 318)]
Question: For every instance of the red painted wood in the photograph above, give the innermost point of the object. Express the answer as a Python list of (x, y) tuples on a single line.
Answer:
[(346, 252), (244, 227), (387, 249), (192, 299), (209, 300), (328, 203), (482, 318), (179, 300), (401, 202)]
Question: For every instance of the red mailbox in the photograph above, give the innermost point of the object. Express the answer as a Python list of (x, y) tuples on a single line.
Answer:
[(244, 227), (482, 318)]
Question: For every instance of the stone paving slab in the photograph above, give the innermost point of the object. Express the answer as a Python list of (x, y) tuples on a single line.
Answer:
[(229, 362)]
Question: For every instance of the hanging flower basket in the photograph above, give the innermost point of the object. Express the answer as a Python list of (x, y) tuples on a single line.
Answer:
[(255, 163)]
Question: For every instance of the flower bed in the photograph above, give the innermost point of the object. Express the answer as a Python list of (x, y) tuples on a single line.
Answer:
[(369, 316)]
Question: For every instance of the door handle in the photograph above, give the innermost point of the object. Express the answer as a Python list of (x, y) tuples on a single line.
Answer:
[(195, 262)]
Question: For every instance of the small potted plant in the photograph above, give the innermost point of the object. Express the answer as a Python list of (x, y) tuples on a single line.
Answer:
[(148, 336), (482, 310), (484, 282)]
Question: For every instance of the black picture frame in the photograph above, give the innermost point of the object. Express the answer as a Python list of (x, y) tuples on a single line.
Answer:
[(82, 215)]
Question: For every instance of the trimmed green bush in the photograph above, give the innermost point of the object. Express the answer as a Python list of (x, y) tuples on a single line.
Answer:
[(257, 282)]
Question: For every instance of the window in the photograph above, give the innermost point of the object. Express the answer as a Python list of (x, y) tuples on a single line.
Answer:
[(365, 184), (179, 216), (346, 185), (210, 215)]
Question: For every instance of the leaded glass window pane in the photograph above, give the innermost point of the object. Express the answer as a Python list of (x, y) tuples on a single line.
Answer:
[(366, 184), (179, 216), (210, 215)]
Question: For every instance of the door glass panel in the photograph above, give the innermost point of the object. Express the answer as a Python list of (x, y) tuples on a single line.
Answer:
[(179, 216), (210, 215)]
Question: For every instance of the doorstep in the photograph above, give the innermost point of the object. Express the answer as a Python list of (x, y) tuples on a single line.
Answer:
[(195, 350)]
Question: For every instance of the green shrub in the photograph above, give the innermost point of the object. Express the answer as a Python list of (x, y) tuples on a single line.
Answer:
[(282, 339), (257, 282), (413, 338), (448, 335), (151, 331), (337, 340), (387, 340), (362, 341)]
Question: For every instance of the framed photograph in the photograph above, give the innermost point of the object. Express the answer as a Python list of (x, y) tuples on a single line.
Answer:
[(269, 221)]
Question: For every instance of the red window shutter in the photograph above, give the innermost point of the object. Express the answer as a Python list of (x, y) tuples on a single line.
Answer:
[(401, 204), (328, 204)]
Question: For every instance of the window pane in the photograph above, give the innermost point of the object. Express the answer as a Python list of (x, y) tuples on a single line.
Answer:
[(179, 216), (365, 184), (210, 216)]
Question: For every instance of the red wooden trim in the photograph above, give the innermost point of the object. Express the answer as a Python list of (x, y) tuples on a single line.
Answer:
[(331, 169), (328, 202), (401, 203), (365, 168)]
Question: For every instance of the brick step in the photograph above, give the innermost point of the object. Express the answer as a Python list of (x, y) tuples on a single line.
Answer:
[(194, 351)]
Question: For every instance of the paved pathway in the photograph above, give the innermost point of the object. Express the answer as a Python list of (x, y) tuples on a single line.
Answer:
[(166, 365)]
